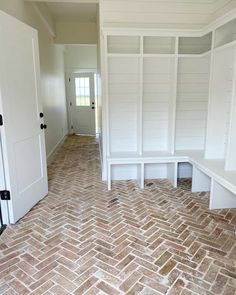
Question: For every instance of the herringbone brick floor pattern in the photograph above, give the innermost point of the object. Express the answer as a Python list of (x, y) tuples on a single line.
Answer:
[(82, 239)]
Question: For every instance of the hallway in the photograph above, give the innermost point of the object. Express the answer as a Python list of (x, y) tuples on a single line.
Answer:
[(82, 239)]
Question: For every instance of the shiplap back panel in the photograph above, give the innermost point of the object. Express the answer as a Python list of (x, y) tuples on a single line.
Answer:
[(191, 14), (157, 95), (192, 102), (123, 82), (220, 101)]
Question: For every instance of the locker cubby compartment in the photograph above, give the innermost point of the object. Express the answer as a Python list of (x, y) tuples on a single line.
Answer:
[(225, 34), (195, 45), (123, 91), (184, 175), (184, 170), (161, 171), (192, 102), (123, 44), (158, 45), (158, 85), (126, 171)]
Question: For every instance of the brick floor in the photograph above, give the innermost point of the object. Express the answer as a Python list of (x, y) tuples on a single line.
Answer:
[(82, 239)]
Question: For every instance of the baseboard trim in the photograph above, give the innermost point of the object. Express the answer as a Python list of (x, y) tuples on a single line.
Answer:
[(100, 150), (51, 155)]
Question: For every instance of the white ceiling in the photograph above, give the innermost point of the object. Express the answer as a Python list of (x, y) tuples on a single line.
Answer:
[(73, 12)]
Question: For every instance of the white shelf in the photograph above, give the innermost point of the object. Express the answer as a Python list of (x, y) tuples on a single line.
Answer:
[(158, 45), (195, 45), (123, 155), (123, 44)]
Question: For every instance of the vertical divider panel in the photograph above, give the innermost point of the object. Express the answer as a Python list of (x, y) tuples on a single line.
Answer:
[(172, 125), (140, 109), (230, 159), (109, 176), (217, 201), (172, 173), (210, 85), (200, 181), (108, 143), (140, 175)]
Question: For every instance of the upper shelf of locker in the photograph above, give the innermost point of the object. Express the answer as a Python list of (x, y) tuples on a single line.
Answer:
[(165, 45)]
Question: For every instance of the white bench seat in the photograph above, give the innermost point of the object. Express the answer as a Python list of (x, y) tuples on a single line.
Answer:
[(208, 175)]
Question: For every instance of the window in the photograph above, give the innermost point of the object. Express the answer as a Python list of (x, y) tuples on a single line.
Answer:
[(82, 90)]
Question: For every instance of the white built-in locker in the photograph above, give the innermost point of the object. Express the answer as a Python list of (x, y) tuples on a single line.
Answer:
[(170, 94)]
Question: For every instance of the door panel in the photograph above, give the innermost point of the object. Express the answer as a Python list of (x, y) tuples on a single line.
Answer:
[(28, 150), (83, 104), (23, 141)]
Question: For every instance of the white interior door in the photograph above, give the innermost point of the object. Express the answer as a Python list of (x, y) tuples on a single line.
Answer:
[(83, 104), (23, 144)]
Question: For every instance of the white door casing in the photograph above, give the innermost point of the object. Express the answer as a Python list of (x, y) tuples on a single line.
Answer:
[(83, 110), (23, 142)]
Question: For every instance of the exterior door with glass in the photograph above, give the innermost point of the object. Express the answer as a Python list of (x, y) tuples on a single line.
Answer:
[(83, 104)]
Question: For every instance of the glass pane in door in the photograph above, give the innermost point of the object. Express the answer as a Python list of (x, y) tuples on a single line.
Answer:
[(82, 90)]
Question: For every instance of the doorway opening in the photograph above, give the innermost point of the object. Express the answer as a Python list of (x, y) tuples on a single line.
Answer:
[(82, 89), (82, 103)]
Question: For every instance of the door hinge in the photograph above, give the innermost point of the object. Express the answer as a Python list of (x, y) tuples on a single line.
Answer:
[(72, 127), (71, 104), (5, 195), (1, 120), (69, 79)]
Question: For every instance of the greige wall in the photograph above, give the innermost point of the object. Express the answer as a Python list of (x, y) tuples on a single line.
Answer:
[(76, 33), (52, 69), (80, 57)]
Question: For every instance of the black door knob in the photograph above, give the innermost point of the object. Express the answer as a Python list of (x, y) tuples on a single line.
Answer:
[(43, 126), (93, 108), (41, 115)]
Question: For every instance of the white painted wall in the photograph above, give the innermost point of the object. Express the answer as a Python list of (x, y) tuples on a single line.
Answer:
[(76, 33), (52, 70), (80, 57)]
